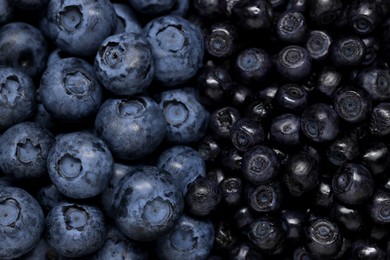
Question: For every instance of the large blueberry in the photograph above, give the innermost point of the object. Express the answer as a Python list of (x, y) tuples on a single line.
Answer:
[(23, 46), (187, 119), (127, 19), (190, 239), (124, 63), (147, 203), (117, 246), (79, 26), (21, 222), (132, 128), (80, 165), (178, 48), (18, 100), (24, 149), (152, 6), (184, 163), (75, 230), (70, 90)]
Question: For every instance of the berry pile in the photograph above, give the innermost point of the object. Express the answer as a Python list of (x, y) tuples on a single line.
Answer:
[(195, 129)]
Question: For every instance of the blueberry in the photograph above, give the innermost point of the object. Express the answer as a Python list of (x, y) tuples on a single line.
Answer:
[(260, 164), (245, 134), (253, 14), (318, 44), (124, 63), (152, 7), (352, 104), (292, 98), (181, 8), (42, 251), (147, 203), (209, 8), (18, 100), (323, 238), (31, 5), (343, 150), (376, 82), (70, 91), (6, 11), (364, 16), (349, 219), (361, 249), (127, 19), (294, 63), (178, 48), (70, 21), (221, 40), (325, 12), (295, 220), (353, 184), (231, 189), (285, 130), (48, 197), (264, 198), (379, 120), (376, 157), (132, 128), (187, 119), (328, 81), (118, 246), (253, 65), (24, 150), (75, 230), (222, 121), (55, 55), (21, 222), (184, 163), (244, 251), (23, 47), (347, 51), (320, 123), (291, 27), (209, 148), (266, 234), (225, 237), (203, 196), (106, 197), (80, 165), (379, 207), (190, 238)]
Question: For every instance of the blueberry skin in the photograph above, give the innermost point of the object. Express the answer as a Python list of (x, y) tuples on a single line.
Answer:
[(190, 238), (320, 123), (124, 64), (21, 224), (260, 164), (294, 63), (246, 133), (80, 165), (132, 128), (349, 219), (48, 197), (343, 150), (264, 198), (253, 65), (285, 130), (353, 184), (75, 230), (231, 189), (376, 82), (178, 48), (328, 81), (127, 20), (364, 16), (379, 121), (378, 207), (24, 150), (184, 163), (70, 91), (119, 171), (147, 203), (152, 7), (6, 11), (69, 21), (253, 15), (361, 249), (376, 157), (56, 55), (221, 40), (24, 47), (18, 100), (352, 104), (118, 247), (292, 97), (187, 119), (31, 5), (222, 121)]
